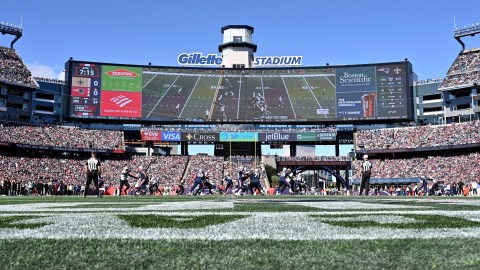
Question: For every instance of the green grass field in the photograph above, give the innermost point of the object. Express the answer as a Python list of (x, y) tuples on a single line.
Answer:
[(216, 232)]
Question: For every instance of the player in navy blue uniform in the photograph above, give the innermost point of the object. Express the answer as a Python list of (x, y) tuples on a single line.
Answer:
[(142, 182), (255, 183), (228, 184), (198, 182), (242, 177), (299, 184), (284, 181), (180, 187), (207, 184)]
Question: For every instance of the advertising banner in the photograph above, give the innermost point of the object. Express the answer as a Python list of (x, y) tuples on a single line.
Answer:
[(276, 137), (199, 137), (171, 136), (151, 135), (356, 92), (306, 137), (121, 104), (326, 136), (238, 136)]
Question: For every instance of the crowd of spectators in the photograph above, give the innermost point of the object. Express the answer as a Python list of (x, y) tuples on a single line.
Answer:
[(461, 79), (62, 136), (447, 169), (468, 60), (13, 70), (48, 176), (420, 136), (464, 70)]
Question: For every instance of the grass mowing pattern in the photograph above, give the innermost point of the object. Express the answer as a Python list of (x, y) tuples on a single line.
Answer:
[(437, 206), (10, 222), (182, 222), (422, 222), (450, 253), (263, 207), (103, 206), (258, 254)]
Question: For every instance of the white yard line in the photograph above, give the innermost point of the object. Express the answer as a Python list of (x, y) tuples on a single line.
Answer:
[(309, 88), (163, 95), (150, 80), (186, 102), (238, 105), (289, 100)]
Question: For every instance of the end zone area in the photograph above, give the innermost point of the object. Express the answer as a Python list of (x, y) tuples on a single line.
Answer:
[(216, 232)]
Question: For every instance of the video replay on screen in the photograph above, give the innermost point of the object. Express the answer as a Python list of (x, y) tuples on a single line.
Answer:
[(306, 94)]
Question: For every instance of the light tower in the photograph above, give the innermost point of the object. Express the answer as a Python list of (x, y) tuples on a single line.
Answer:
[(11, 30), (237, 48)]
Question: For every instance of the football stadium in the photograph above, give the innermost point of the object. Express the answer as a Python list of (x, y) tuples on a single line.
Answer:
[(97, 170)]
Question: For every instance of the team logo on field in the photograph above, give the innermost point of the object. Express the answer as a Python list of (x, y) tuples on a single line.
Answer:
[(121, 100), (121, 73)]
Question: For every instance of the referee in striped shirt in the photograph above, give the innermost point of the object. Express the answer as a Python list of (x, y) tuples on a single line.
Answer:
[(92, 169), (366, 172)]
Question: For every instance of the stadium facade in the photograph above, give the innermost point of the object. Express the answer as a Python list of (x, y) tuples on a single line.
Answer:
[(242, 101)]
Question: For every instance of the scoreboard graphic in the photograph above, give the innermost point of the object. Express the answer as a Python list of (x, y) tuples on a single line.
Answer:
[(85, 91), (213, 95), (103, 91)]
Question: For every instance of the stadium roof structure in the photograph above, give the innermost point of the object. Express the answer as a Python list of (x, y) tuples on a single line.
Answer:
[(11, 29), (470, 30), (241, 26)]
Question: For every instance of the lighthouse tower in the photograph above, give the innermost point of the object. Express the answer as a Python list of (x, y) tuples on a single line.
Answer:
[(237, 48)]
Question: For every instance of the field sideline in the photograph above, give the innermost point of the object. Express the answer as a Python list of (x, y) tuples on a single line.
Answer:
[(216, 232)]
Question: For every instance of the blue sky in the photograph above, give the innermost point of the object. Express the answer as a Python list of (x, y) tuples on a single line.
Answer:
[(335, 32)]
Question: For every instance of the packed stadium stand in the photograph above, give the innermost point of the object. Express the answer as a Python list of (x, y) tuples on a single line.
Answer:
[(13, 70), (465, 69), (61, 136), (443, 168), (420, 136)]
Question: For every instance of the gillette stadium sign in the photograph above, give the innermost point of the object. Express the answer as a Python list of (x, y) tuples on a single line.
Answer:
[(199, 59)]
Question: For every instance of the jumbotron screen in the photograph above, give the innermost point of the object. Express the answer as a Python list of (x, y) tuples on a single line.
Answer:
[(313, 94)]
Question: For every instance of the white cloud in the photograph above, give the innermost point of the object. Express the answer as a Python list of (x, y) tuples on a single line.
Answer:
[(40, 70)]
